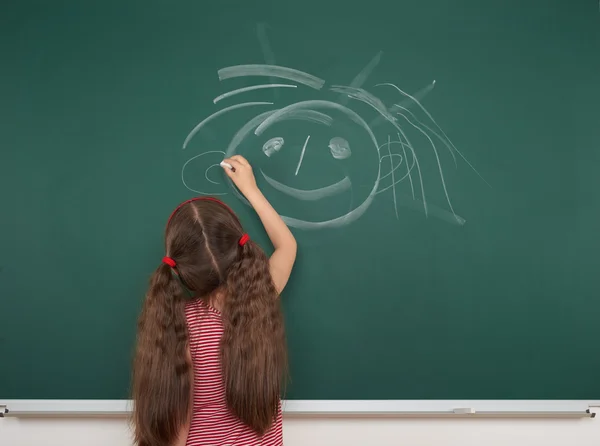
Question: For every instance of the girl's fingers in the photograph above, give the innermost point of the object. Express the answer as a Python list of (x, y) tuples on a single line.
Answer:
[(230, 173), (241, 160), (233, 163)]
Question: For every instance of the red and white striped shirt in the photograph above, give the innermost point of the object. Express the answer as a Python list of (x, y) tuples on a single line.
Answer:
[(212, 423)]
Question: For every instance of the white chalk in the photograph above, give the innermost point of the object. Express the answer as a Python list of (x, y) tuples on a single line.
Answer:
[(224, 164)]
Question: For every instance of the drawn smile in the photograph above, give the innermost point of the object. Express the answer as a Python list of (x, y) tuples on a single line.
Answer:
[(310, 194)]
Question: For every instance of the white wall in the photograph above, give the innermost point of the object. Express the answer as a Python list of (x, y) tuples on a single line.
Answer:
[(328, 432)]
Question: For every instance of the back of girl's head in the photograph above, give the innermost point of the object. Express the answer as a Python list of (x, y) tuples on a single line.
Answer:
[(202, 237)]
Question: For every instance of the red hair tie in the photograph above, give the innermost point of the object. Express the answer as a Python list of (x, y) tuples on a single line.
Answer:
[(169, 261), (244, 239)]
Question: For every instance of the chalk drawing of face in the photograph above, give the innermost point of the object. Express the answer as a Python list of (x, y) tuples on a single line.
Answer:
[(328, 198), (382, 166), (263, 132)]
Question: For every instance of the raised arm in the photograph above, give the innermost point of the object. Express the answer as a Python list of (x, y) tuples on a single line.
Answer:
[(283, 257)]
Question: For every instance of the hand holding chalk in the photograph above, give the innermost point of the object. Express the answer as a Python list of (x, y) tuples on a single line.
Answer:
[(239, 170)]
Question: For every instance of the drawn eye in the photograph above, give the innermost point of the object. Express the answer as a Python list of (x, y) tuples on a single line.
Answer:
[(339, 147), (272, 146)]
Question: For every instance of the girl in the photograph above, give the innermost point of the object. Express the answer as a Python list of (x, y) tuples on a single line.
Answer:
[(211, 355)]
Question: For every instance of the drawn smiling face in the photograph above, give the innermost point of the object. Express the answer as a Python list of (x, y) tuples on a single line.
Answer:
[(340, 149), (311, 163), (312, 175)]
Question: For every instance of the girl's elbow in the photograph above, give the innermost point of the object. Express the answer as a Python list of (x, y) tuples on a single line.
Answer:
[(293, 248)]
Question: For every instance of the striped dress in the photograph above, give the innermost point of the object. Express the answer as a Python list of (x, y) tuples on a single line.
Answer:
[(212, 423)]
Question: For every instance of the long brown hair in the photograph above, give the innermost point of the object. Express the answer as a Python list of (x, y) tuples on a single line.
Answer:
[(202, 237)]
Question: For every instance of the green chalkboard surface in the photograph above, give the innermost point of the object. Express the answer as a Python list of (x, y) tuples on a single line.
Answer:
[(438, 162)]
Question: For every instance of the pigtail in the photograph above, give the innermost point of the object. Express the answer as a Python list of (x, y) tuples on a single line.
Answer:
[(161, 385), (253, 347)]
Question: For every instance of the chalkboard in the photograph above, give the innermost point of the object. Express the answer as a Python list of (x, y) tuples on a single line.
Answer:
[(437, 161)]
